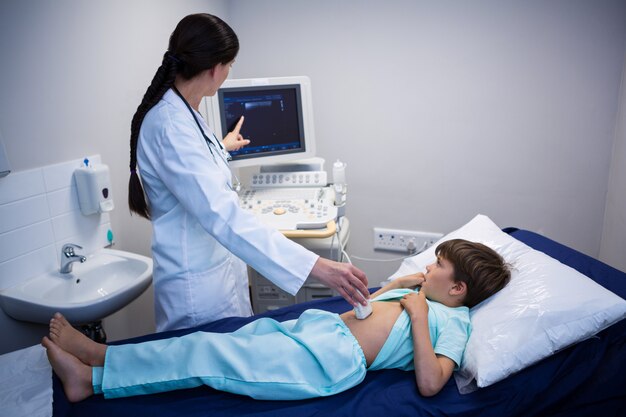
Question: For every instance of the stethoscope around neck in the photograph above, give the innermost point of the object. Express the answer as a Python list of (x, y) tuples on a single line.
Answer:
[(221, 151)]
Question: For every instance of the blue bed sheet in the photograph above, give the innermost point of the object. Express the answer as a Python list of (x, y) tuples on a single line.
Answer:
[(586, 379)]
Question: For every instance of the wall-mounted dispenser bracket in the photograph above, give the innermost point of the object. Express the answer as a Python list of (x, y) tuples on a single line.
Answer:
[(93, 185), (5, 168)]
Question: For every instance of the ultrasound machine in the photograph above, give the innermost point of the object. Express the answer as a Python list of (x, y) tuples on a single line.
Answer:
[(284, 184)]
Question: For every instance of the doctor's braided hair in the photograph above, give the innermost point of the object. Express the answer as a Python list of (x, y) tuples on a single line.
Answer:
[(199, 42)]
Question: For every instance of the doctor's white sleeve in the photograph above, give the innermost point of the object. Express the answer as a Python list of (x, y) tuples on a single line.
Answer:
[(201, 185)]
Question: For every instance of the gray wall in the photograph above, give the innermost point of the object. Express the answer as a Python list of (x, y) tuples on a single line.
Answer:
[(441, 109), (613, 248)]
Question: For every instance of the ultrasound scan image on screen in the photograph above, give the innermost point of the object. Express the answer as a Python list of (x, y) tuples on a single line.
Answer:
[(272, 118)]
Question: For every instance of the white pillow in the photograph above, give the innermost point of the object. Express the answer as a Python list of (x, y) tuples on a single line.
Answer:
[(546, 307)]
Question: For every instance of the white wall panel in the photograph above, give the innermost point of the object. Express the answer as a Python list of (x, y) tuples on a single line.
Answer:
[(20, 185), (14, 215), (31, 264)]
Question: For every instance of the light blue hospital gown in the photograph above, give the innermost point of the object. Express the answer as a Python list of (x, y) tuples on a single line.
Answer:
[(313, 356)]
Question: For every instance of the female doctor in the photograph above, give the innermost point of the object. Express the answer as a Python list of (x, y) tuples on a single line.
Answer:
[(202, 240)]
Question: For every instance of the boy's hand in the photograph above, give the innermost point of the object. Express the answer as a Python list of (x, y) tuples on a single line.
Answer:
[(415, 305), (411, 281)]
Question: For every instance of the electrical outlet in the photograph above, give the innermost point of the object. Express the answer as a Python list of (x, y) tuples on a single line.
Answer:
[(406, 241)]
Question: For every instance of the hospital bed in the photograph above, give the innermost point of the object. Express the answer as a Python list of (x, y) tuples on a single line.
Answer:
[(588, 378)]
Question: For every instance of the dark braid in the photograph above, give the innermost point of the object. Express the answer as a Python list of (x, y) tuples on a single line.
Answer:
[(162, 81), (199, 42)]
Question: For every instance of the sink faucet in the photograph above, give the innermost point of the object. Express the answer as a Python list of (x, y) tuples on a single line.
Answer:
[(68, 257)]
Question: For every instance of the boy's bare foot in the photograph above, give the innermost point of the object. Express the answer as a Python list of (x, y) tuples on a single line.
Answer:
[(74, 342), (75, 375)]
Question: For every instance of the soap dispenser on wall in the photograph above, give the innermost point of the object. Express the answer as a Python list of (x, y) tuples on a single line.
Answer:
[(93, 185), (5, 168)]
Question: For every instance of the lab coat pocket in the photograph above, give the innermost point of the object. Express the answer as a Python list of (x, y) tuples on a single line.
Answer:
[(211, 293)]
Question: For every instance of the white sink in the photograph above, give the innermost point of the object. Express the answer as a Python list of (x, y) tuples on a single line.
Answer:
[(107, 281)]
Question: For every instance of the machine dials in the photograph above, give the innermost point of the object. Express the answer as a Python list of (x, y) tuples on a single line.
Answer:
[(291, 209)]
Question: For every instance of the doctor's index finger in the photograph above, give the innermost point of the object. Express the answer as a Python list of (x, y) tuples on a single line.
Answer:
[(238, 126)]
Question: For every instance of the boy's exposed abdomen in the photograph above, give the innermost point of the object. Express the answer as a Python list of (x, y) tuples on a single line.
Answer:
[(372, 332)]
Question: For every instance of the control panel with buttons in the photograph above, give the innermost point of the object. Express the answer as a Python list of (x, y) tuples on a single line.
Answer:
[(291, 208), (289, 179)]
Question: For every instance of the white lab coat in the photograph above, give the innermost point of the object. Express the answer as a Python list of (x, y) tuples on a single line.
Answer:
[(200, 234)]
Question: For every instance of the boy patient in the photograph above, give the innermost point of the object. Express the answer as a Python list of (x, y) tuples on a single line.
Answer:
[(419, 322)]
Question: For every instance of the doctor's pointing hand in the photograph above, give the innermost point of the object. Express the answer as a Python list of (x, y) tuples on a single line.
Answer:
[(202, 240), (233, 140)]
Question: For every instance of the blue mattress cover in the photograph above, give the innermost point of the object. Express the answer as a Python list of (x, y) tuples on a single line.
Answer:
[(587, 378)]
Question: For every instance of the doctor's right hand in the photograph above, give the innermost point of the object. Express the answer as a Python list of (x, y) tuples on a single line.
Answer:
[(233, 140), (346, 279)]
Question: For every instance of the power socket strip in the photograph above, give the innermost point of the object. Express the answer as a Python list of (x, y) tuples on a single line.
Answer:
[(406, 241)]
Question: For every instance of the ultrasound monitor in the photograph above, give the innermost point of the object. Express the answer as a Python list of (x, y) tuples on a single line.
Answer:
[(278, 118)]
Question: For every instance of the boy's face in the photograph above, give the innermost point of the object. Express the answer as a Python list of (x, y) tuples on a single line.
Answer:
[(438, 280)]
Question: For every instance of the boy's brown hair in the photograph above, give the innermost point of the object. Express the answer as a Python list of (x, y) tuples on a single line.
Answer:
[(481, 268)]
